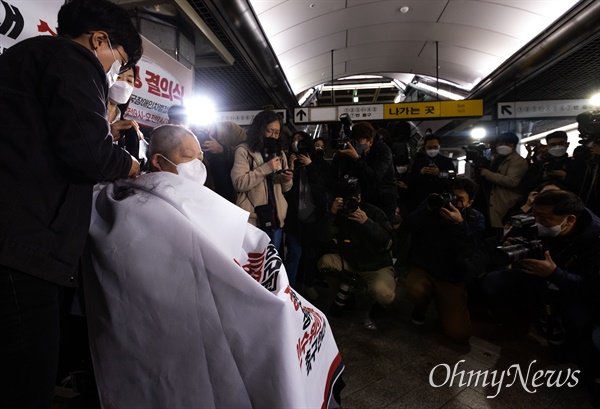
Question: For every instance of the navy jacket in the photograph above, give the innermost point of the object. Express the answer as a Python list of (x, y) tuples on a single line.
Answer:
[(56, 144)]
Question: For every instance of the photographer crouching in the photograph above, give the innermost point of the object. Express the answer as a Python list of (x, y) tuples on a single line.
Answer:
[(364, 238), (559, 272), (445, 229)]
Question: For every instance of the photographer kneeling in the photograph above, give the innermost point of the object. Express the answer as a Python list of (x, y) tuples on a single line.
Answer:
[(561, 273), (444, 228), (364, 238)]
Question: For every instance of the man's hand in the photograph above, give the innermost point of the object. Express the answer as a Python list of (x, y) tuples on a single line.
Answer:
[(212, 146), (540, 268), (350, 152), (452, 214), (117, 128), (430, 170), (484, 171), (338, 204), (358, 216), (400, 184), (135, 168)]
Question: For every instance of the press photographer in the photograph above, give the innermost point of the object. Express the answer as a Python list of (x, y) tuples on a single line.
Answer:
[(445, 228), (364, 238), (565, 281), (370, 160), (588, 165), (430, 172)]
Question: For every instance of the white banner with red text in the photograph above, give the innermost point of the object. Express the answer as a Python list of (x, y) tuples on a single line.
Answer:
[(190, 306)]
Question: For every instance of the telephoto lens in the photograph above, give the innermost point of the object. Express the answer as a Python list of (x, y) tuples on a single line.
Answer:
[(348, 284)]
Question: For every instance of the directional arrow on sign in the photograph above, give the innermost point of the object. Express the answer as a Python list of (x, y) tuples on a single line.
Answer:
[(506, 110), (301, 114)]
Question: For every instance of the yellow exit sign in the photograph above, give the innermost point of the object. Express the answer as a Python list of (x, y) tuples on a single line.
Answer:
[(434, 109)]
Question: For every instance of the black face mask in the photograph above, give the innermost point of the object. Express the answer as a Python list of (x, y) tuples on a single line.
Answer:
[(271, 146)]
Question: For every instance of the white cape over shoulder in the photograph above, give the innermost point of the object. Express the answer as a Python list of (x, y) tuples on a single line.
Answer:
[(189, 306)]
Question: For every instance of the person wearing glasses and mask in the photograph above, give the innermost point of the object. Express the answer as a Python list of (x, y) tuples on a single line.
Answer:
[(56, 144), (430, 172), (261, 175), (504, 177)]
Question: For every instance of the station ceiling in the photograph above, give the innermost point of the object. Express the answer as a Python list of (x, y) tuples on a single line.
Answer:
[(496, 50)]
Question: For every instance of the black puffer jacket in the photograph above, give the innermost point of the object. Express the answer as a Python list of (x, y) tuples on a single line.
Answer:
[(56, 144)]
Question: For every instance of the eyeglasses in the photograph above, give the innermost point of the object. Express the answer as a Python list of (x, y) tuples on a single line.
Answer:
[(272, 132)]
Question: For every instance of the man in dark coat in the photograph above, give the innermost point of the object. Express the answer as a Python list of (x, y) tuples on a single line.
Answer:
[(56, 144)]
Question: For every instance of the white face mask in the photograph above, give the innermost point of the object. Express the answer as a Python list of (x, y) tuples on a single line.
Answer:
[(553, 231), (113, 72), (432, 152), (401, 169), (120, 92), (503, 150), (557, 150), (193, 170)]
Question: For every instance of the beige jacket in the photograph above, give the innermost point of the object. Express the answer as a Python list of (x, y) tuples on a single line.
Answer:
[(249, 177), (505, 187)]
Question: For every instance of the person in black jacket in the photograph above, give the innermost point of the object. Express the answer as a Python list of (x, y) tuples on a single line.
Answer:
[(307, 203), (364, 238), (444, 229), (564, 278), (370, 160), (56, 144), (430, 172)]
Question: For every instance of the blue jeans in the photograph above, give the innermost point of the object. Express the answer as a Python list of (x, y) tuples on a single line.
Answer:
[(276, 237)]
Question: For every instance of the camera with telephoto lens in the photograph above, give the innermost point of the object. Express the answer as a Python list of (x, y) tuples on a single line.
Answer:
[(436, 201), (476, 155), (527, 245), (589, 126)]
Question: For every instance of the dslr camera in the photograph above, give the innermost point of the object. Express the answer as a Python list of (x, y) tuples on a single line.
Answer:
[(527, 245), (476, 155), (340, 143), (589, 126), (436, 201), (350, 205)]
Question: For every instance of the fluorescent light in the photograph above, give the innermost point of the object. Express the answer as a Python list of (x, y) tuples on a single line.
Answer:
[(306, 95), (361, 77), (595, 100), (441, 92), (360, 86)]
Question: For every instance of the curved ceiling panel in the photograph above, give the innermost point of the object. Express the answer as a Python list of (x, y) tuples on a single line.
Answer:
[(474, 36)]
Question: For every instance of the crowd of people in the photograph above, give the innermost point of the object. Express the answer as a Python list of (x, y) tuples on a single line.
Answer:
[(356, 205)]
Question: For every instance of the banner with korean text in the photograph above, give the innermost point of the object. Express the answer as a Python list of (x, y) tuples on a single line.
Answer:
[(189, 305), (162, 81)]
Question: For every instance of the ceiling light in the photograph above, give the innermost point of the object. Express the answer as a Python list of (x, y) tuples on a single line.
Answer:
[(595, 100), (441, 92), (306, 95), (360, 86), (404, 9)]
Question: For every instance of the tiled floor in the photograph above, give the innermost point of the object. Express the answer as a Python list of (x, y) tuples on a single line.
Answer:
[(390, 367)]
